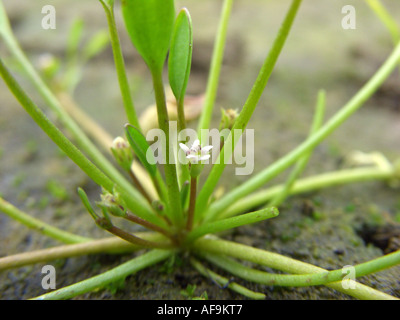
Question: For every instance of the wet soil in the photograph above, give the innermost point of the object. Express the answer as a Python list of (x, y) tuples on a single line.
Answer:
[(329, 228)]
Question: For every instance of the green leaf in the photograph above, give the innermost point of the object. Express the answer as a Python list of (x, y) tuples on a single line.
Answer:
[(184, 193), (180, 56), (149, 24), (139, 145), (86, 203)]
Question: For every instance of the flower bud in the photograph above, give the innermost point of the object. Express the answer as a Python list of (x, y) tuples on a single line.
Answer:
[(112, 204), (228, 118), (122, 153)]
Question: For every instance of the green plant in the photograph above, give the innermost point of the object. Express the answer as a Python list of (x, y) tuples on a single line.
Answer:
[(189, 293), (167, 199)]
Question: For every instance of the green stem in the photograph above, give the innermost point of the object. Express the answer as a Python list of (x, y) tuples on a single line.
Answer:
[(139, 186), (102, 138), (248, 108), (182, 169), (174, 203), (215, 68), (82, 140), (150, 258), (386, 19), (302, 280), (111, 245), (230, 223), (192, 203), (132, 197), (135, 239), (343, 114), (302, 162), (39, 225), (120, 66), (222, 281), (292, 266), (147, 224), (181, 114), (160, 186), (312, 183), (106, 224)]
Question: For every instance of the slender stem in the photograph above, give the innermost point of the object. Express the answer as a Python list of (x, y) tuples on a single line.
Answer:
[(103, 138), (132, 197), (150, 258), (386, 19), (181, 114), (215, 68), (285, 264), (147, 224), (302, 162), (302, 280), (80, 137), (226, 283), (248, 108), (136, 240), (111, 245), (185, 191), (192, 203), (390, 23), (230, 223), (139, 186), (343, 114), (106, 224), (39, 225), (120, 66), (170, 168), (304, 185), (160, 186), (182, 169)]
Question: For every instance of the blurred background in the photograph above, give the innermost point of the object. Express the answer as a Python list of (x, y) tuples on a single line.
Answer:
[(319, 54)]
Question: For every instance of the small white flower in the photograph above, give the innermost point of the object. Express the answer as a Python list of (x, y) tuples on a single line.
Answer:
[(196, 152)]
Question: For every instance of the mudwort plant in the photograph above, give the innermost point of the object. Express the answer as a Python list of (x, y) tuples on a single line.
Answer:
[(157, 185)]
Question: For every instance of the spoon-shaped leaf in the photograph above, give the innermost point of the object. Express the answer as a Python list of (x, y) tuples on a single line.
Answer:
[(139, 145), (149, 24), (180, 56)]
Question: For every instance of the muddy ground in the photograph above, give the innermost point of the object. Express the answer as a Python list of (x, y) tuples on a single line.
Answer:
[(329, 228)]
